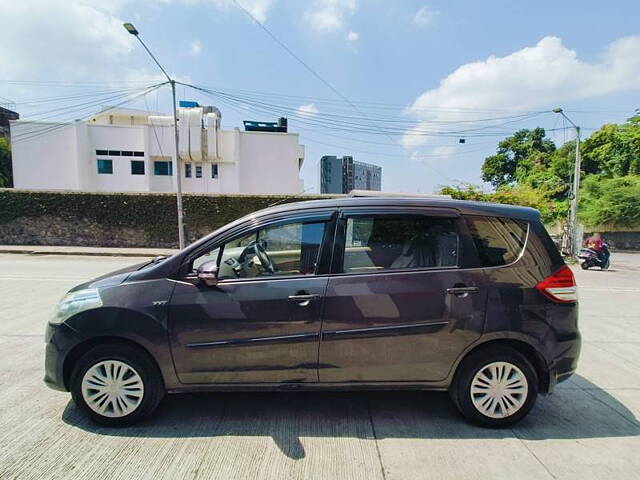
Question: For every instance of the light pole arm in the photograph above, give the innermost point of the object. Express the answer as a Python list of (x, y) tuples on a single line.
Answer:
[(154, 58)]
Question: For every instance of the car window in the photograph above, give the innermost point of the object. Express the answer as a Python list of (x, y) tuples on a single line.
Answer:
[(289, 249), (499, 241), (385, 242)]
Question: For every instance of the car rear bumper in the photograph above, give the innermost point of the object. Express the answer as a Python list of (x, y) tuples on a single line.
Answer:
[(565, 361)]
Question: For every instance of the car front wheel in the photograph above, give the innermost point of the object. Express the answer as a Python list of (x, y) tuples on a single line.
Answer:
[(116, 384), (495, 387)]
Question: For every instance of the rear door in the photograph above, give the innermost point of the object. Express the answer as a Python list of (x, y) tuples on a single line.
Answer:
[(398, 305)]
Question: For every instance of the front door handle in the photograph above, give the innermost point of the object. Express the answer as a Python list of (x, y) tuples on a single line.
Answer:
[(462, 291), (303, 299)]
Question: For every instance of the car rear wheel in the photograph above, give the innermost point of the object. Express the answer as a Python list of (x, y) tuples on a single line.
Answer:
[(495, 387), (116, 384)]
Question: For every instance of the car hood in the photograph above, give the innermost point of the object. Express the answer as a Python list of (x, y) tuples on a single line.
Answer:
[(112, 278)]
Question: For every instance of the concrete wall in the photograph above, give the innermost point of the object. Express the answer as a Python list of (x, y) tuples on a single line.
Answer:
[(620, 240)]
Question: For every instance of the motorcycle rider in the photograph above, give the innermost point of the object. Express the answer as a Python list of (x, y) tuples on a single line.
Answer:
[(596, 243)]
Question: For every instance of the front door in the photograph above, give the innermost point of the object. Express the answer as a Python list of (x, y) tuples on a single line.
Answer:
[(261, 323), (398, 307)]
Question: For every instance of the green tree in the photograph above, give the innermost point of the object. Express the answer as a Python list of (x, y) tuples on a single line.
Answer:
[(6, 172), (610, 201), (613, 150), (517, 156), (528, 169)]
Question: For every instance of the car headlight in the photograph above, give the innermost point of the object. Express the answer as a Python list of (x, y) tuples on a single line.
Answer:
[(76, 302)]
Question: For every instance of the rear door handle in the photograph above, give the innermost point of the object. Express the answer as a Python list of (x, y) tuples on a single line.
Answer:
[(303, 299), (462, 291)]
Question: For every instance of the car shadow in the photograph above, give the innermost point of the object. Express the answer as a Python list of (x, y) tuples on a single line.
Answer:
[(577, 410)]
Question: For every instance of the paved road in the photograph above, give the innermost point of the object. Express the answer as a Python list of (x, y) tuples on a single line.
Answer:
[(587, 429)]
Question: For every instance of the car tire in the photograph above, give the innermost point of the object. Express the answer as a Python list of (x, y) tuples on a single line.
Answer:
[(116, 384), (584, 266), (513, 388)]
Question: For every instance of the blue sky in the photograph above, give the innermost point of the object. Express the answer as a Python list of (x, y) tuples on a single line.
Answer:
[(416, 66)]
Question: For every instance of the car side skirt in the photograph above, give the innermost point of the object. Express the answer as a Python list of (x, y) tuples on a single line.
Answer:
[(309, 386)]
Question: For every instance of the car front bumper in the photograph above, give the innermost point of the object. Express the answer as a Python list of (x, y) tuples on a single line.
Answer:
[(60, 340)]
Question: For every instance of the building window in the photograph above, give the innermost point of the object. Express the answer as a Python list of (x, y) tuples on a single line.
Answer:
[(214, 171), (137, 167), (187, 170), (163, 168), (198, 170), (105, 166), (118, 153)]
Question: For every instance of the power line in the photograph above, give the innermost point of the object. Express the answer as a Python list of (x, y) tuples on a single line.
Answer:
[(52, 113), (33, 134), (341, 123), (314, 73)]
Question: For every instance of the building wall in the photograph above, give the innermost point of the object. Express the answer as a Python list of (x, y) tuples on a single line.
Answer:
[(45, 155), (270, 161), (6, 116), (119, 138), (367, 176), (331, 175)]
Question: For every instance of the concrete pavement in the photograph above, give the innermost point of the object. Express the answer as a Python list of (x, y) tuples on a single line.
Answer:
[(587, 429)]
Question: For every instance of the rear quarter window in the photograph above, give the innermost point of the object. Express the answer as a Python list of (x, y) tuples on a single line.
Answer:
[(498, 240)]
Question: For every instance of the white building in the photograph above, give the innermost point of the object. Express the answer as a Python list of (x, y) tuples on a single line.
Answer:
[(126, 150)]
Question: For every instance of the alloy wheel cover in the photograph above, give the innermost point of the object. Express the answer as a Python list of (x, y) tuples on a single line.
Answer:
[(112, 388), (499, 390)]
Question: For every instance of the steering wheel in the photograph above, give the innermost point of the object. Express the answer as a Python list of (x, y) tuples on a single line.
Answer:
[(262, 255)]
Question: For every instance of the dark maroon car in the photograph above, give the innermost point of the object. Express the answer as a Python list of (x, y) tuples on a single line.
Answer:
[(351, 293)]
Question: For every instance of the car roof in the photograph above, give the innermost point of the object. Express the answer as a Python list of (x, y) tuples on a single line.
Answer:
[(465, 207)]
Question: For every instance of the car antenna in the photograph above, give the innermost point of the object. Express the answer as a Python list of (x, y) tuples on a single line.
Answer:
[(286, 198)]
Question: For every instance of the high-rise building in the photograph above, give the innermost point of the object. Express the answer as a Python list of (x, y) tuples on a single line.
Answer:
[(343, 174)]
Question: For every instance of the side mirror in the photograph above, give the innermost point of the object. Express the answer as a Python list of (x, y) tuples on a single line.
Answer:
[(208, 273)]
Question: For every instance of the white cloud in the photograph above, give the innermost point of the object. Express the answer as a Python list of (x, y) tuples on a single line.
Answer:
[(65, 40), (259, 9), (329, 15), (352, 37), (425, 16), (195, 48), (543, 75), (307, 110)]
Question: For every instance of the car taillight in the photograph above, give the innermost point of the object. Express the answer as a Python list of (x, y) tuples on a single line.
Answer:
[(560, 287)]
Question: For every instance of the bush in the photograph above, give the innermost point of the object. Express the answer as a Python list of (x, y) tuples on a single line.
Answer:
[(152, 217)]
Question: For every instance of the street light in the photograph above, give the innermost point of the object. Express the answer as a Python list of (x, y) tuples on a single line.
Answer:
[(573, 216), (133, 31)]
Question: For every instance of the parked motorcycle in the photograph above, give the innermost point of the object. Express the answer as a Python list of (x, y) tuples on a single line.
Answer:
[(589, 258)]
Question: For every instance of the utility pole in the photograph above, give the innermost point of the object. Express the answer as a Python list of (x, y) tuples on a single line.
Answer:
[(576, 242), (132, 30)]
